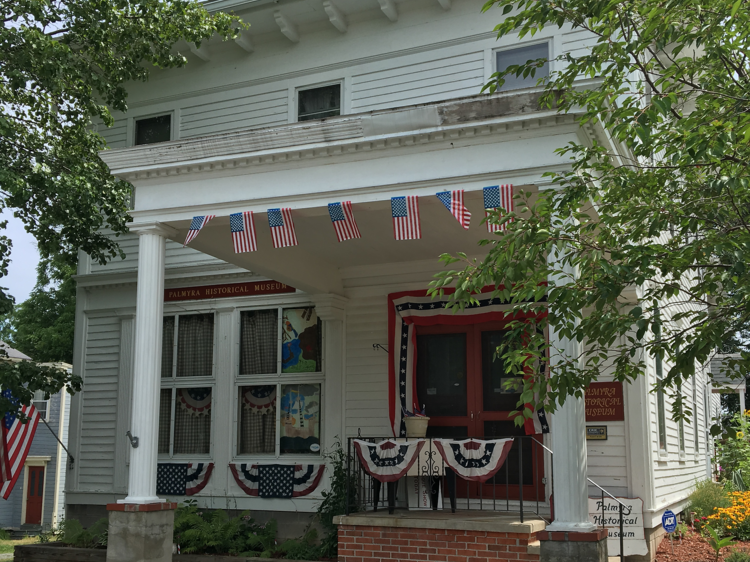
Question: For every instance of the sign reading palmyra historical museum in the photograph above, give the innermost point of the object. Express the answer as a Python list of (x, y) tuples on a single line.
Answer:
[(604, 402), (226, 291), (634, 540)]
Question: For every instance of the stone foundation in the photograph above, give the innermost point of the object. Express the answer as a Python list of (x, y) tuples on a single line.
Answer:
[(140, 532), (564, 546)]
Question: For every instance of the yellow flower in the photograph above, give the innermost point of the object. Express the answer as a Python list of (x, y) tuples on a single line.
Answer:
[(740, 435), (747, 413)]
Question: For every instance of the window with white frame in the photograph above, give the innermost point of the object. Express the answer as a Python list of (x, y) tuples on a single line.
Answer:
[(506, 58), (661, 413), (279, 383), (187, 385), (696, 434), (41, 404), (153, 129)]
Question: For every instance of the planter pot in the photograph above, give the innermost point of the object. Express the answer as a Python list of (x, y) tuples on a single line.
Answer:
[(416, 426)]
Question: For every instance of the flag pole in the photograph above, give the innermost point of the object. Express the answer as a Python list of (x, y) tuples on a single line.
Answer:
[(72, 460)]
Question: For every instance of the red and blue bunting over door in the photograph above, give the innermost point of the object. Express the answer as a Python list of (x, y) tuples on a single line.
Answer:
[(467, 393)]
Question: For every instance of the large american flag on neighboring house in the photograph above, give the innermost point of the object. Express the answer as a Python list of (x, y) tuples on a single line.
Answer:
[(15, 442), (282, 227), (343, 221), (196, 226), (405, 212), (242, 226), (454, 202), (497, 197), (408, 310)]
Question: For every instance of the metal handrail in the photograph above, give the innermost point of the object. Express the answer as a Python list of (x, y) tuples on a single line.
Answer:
[(620, 507)]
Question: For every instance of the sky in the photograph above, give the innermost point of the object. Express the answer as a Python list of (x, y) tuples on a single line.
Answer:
[(24, 259)]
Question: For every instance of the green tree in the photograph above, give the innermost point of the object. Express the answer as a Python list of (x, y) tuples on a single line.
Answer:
[(62, 65), (660, 204)]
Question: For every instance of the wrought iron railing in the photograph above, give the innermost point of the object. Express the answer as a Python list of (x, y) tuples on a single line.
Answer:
[(520, 485), (621, 507)]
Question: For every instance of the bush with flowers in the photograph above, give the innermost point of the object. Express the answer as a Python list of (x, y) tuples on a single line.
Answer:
[(733, 453), (733, 520)]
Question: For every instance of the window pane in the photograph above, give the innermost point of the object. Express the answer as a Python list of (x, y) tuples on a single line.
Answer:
[(167, 347), (521, 55), (257, 419), (317, 103), (192, 421), (153, 129), (258, 342), (300, 341), (165, 414), (300, 418), (441, 374), (195, 345), (497, 396)]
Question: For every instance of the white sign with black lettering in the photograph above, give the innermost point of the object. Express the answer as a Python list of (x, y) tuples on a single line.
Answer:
[(607, 514)]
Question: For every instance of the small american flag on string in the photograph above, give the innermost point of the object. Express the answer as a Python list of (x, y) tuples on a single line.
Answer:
[(15, 442), (454, 202), (343, 221), (497, 197), (196, 226), (282, 227), (242, 226), (405, 212)]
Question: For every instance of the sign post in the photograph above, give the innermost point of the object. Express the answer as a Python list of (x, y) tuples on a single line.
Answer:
[(669, 522)]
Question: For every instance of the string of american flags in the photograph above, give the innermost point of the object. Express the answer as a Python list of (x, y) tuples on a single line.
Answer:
[(404, 211)]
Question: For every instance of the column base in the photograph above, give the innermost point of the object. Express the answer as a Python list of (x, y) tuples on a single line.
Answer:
[(562, 546), (140, 532)]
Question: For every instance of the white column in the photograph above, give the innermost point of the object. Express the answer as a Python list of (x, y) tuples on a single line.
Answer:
[(568, 433), (147, 362)]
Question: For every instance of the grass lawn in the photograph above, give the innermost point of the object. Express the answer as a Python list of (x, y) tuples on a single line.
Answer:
[(7, 546)]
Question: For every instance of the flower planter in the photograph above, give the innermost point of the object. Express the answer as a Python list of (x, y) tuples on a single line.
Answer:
[(61, 553), (416, 426)]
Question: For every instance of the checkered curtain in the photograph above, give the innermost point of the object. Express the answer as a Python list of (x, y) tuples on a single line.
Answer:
[(195, 345), (167, 346), (258, 342), (165, 414), (257, 431), (192, 434)]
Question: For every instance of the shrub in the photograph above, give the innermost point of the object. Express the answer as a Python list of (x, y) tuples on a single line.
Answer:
[(737, 556), (733, 453), (334, 500), (706, 499), (4, 535), (733, 520), (72, 533)]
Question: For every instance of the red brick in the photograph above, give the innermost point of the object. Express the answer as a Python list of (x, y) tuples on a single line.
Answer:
[(419, 543), (371, 534), (428, 551), (363, 540), (438, 558), (517, 549), (486, 540), (512, 542), (456, 559), (598, 535), (408, 549)]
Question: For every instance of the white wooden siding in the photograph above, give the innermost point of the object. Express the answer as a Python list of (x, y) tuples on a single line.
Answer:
[(578, 42), (99, 412), (176, 256), (116, 135), (366, 369), (244, 111), (410, 81)]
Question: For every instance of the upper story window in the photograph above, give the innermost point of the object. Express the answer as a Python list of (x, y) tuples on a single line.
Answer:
[(187, 385), (521, 55), (318, 103), (279, 382), (41, 405), (153, 129)]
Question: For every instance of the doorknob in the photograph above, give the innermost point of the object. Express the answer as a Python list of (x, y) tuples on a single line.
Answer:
[(472, 414)]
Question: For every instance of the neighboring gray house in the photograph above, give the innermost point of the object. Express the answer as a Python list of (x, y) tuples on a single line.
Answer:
[(38, 497)]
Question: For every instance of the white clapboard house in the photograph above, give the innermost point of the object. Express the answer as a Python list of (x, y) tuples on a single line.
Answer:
[(220, 362)]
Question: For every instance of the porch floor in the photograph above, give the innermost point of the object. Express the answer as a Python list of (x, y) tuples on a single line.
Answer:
[(464, 520)]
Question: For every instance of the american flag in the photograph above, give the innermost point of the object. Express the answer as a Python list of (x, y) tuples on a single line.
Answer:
[(405, 212), (242, 226), (196, 226), (497, 196), (342, 217), (15, 442), (454, 202), (282, 227)]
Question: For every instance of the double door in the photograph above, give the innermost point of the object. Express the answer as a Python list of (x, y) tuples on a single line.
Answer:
[(467, 393)]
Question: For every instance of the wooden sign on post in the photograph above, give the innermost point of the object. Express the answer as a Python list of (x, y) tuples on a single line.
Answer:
[(606, 513), (604, 402)]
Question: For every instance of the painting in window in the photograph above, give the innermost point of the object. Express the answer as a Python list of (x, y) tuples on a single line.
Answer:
[(300, 418), (257, 419), (300, 337)]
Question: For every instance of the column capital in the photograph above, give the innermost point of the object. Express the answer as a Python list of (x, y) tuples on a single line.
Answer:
[(329, 306), (153, 228)]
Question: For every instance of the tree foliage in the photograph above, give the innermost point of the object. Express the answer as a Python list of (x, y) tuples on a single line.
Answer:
[(62, 65), (646, 239)]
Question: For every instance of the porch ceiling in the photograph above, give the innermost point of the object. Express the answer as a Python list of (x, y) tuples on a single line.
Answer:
[(317, 264)]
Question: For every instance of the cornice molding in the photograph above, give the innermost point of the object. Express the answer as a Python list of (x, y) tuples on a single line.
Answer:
[(158, 228), (173, 277)]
